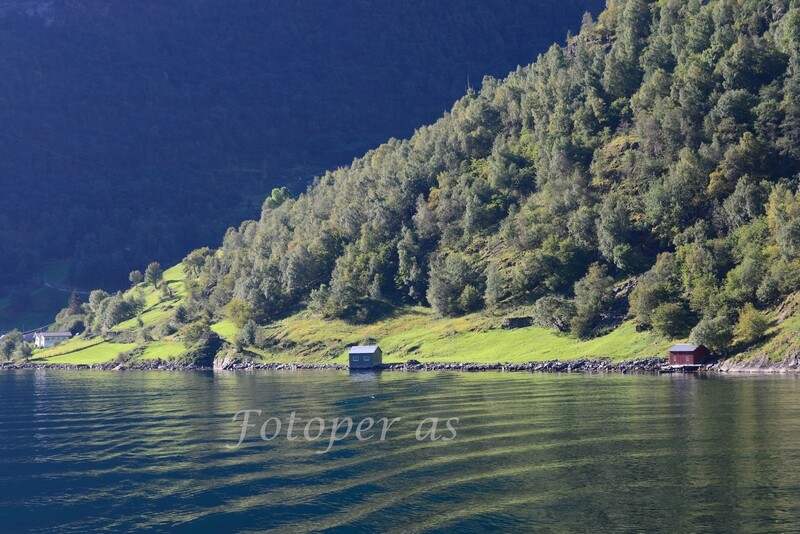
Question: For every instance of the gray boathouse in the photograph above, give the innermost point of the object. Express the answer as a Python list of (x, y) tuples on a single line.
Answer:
[(365, 357)]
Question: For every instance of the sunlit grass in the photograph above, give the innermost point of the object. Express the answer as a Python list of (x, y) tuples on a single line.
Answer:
[(416, 333), (98, 353), (163, 350), (75, 344), (226, 329), (157, 307), (781, 340)]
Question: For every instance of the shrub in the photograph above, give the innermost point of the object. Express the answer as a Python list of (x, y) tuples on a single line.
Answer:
[(166, 329), (671, 320), (715, 333), (136, 277), (247, 335), (193, 332), (592, 295), (553, 311), (240, 312), (752, 324), (470, 298), (201, 353)]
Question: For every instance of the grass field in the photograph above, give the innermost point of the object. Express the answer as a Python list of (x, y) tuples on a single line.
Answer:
[(416, 333), (97, 350), (73, 345), (163, 350), (156, 307), (97, 353), (226, 329), (409, 333)]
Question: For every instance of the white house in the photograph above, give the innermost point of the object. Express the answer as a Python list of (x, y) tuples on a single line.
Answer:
[(48, 339)]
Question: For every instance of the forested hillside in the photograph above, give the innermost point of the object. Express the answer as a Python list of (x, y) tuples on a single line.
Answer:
[(650, 167), (138, 130)]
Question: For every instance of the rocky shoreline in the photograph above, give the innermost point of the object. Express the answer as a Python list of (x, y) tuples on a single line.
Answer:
[(643, 365), (555, 366), (760, 364)]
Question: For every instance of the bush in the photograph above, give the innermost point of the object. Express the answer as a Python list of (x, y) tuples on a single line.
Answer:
[(114, 310), (181, 315), (247, 335), (671, 320), (715, 333), (449, 280), (553, 311), (166, 329), (592, 295), (752, 324), (201, 353), (9, 344), (192, 333), (470, 298), (136, 277), (494, 285), (23, 352), (240, 312), (74, 325)]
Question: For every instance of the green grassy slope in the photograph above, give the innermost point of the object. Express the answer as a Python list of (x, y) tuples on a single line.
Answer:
[(416, 333), (407, 333), (83, 352), (782, 339), (158, 308)]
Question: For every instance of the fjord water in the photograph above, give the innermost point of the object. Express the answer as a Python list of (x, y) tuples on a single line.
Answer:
[(86, 451)]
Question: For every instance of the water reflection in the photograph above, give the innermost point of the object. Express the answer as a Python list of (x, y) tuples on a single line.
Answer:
[(90, 450)]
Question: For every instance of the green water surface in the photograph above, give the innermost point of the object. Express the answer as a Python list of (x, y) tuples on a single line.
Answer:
[(87, 451)]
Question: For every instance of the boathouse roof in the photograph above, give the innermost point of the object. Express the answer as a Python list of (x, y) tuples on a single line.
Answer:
[(363, 349), (684, 347)]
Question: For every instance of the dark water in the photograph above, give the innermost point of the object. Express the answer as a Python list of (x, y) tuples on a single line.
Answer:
[(86, 451)]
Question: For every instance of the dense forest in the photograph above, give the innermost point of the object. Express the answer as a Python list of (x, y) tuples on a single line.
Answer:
[(654, 157), (138, 130)]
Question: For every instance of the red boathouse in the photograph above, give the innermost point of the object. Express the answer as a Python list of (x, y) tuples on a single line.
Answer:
[(687, 354)]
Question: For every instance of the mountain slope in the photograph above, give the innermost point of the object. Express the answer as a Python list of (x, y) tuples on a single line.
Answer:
[(647, 170)]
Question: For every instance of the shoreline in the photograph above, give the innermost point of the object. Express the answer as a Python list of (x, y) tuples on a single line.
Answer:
[(586, 366)]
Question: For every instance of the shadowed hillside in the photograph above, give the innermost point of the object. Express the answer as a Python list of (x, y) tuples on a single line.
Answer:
[(138, 130)]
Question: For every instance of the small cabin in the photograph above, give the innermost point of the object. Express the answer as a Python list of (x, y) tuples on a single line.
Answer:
[(44, 340), (365, 357), (688, 354)]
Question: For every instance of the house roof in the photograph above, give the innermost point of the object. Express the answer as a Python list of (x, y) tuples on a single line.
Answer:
[(684, 347), (54, 334), (368, 349)]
